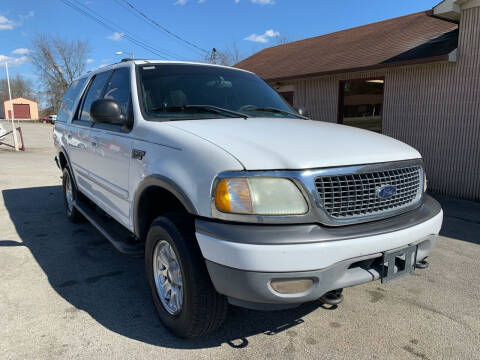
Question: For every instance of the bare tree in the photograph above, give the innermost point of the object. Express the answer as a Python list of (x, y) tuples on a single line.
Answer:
[(282, 40), (229, 56), (58, 62)]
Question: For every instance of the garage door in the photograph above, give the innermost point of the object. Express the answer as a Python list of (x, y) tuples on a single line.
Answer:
[(21, 111)]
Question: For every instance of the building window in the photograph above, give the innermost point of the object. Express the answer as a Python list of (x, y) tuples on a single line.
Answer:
[(361, 103)]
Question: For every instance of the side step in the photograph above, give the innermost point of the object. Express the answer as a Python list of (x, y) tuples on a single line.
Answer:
[(111, 229)]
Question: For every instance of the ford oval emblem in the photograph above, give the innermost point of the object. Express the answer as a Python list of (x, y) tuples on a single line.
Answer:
[(386, 191)]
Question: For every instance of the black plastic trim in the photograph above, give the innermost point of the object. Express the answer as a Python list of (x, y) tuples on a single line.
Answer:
[(112, 236), (164, 183), (69, 165)]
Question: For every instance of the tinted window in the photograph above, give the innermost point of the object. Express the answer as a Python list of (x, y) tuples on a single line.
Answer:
[(168, 90), (118, 88), (68, 101), (94, 93)]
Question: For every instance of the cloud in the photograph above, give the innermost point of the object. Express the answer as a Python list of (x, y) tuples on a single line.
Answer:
[(21, 51), (264, 38), (263, 2), (13, 61), (6, 24), (180, 2), (201, 1), (116, 36), (89, 61)]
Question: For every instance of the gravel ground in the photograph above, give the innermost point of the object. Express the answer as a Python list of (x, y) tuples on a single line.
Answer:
[(66, 293)]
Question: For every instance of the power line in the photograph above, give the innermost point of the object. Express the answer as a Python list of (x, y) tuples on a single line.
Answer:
[(113, 27), (131, 37), (127, 8), (171, 33)]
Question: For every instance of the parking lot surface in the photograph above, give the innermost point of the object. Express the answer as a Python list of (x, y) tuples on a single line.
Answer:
[(66, 293)]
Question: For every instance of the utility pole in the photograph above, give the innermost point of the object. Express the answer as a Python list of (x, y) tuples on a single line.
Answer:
[(14, 132), (214, 55)]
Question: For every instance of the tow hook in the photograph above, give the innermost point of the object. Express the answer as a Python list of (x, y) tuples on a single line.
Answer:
[(333, 297), (422, 264)]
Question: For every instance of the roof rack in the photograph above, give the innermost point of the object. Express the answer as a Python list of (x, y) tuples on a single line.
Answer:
[(127, 59)]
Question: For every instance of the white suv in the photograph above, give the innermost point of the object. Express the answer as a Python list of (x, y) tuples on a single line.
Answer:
[(232, 195)]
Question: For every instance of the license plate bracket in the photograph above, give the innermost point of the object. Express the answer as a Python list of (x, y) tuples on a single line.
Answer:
[(398, 263)]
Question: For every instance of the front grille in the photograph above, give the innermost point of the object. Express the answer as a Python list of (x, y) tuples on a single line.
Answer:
[(355, 195)]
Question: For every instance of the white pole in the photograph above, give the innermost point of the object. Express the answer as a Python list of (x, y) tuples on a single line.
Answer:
[(15, 141)]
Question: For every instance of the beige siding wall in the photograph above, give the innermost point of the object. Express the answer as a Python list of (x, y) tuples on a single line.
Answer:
[(435, 108)]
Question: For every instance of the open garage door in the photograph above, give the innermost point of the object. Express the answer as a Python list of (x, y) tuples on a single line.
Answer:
[(21, 111)]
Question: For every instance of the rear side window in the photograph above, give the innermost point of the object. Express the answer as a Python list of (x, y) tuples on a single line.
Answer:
[(118, 88), (68, 101), (94, 93)]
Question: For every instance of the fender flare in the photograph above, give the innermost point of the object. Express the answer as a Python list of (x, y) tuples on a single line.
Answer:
[(166, 184), (69, 165)]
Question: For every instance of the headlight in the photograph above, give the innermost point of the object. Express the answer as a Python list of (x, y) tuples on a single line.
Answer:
[(259, 196), (424, 181)]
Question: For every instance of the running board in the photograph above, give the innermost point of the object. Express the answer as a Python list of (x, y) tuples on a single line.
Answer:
[(111, 229)]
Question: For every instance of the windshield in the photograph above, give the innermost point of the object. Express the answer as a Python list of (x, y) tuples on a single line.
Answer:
[(180, 92)]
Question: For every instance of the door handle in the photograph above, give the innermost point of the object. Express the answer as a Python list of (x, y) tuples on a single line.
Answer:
[(94, 141)]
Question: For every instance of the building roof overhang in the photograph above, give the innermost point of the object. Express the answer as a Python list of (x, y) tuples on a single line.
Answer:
[(451, 9), (451, 57)]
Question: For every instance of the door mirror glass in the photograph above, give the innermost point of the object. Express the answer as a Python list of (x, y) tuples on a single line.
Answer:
[(107, 111)]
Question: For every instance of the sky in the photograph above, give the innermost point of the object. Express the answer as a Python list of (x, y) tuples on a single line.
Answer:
[(249, 24)]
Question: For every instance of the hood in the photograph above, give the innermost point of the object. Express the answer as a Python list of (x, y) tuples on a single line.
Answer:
[(277, 143)]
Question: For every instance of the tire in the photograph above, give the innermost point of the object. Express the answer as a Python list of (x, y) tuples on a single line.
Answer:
[(72, 213), (203, 309)]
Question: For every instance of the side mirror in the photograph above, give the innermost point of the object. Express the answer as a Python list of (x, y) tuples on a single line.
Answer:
[(302, 111), (107, 111)]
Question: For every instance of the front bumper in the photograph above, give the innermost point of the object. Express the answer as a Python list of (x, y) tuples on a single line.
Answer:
[(243, 259)]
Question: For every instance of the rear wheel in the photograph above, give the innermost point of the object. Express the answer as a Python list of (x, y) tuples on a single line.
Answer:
[(69, 196), (182, 291)]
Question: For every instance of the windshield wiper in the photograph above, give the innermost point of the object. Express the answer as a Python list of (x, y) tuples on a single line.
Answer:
[(206, 108), (275, 110)]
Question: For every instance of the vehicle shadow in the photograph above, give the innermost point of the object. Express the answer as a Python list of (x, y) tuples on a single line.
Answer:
[(461, 218), (86, 271)]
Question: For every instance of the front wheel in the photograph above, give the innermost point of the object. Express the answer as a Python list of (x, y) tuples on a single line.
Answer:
[(182, 291)]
